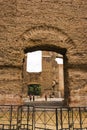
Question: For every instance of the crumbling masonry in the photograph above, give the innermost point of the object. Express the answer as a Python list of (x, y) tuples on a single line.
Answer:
[(55, 25)]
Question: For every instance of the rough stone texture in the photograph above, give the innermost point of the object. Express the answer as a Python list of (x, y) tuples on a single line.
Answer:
[(58, 25)]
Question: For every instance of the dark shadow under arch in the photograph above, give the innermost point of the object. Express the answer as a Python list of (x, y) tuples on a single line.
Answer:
[(46, 47)]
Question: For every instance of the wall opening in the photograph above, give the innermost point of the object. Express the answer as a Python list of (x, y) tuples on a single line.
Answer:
[(34, 62), (50, 75), (34, 89)]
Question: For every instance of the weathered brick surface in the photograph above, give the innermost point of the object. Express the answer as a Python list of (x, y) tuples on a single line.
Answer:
[(55, 24)]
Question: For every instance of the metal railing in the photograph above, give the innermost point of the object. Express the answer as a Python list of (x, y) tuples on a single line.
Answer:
[(42, 118)]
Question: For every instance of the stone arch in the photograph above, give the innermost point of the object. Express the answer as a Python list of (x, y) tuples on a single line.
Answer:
[(49, 38), (45, 36)]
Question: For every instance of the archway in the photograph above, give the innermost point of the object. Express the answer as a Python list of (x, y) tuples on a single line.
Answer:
[(50, 39)]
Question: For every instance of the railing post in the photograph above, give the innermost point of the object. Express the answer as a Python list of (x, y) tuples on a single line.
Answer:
[(10, 116), (3, 127), (70, 118), (19, 117), (80, 117), (56, 119), (33, 119), (68, 109), (61, 118), (27, 116)]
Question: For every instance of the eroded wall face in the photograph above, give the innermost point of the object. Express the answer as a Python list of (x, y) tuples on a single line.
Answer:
[(10, 85), (60, 22), (78, 86)]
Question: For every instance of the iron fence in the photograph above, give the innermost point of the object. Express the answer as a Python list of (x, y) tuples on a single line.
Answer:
[(42, 118)]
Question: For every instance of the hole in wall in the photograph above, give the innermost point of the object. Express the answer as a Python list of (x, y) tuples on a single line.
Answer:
[(49, 73)]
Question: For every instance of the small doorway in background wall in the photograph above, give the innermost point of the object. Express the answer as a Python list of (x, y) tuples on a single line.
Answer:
[(34, 89)]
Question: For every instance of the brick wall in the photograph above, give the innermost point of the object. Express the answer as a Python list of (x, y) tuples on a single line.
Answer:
[(59, 25)]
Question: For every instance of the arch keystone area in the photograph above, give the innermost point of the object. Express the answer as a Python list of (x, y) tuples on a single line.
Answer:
[(41, 35)]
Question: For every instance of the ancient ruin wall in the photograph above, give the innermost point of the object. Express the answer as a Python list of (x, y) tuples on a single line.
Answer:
[(57, 24)]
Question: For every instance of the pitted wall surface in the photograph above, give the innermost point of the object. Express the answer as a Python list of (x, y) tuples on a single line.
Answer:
[(60, 25)]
